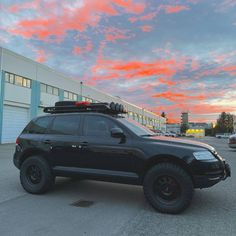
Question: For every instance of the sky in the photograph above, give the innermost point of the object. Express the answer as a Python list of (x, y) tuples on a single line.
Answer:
[(162, 55)]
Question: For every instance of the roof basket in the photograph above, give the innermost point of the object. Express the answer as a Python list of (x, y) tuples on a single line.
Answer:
[(73, 106)]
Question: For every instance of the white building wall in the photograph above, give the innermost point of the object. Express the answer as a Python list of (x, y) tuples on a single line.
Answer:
[(48, 99), (17, 94), (19, 65), (50, 77)]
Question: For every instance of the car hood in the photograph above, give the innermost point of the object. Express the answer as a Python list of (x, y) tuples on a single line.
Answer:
[(180, 142)]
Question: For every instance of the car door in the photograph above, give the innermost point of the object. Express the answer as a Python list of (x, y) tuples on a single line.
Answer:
[(101, 151), (62, 140)]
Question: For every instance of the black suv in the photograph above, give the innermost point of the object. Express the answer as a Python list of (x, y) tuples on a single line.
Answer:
[(96, 141)]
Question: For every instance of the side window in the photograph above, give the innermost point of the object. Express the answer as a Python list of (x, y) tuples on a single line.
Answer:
[(38, 126), (98, 126), (66, 125)]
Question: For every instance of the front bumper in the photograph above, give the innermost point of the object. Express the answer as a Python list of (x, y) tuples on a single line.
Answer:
[(211, 178)]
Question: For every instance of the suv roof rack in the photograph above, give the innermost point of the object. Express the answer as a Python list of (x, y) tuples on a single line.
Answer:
[(73, 106)]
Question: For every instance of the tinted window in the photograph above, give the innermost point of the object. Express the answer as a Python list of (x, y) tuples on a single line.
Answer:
[(98, 126), (67, 125), (38, 126), (135, 127)]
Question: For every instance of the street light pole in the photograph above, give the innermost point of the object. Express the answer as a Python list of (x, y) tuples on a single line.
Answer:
[(81, 90)]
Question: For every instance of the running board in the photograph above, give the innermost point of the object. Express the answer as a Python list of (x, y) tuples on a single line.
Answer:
[(97, 174)]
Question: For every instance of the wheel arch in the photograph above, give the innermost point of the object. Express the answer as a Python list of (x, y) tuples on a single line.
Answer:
[(32, 152), (163, 158)]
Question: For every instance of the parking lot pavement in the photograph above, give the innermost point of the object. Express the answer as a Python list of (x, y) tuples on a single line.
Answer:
[(115, 209)]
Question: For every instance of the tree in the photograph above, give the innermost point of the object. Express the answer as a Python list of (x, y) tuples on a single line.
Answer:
[(210, 131), (225, 123), (163, 114), (184, 128)]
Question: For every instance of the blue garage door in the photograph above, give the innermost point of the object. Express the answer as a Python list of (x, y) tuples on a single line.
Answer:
[(14, 121)]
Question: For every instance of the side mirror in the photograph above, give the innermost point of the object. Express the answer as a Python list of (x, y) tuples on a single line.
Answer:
[(117, 133)]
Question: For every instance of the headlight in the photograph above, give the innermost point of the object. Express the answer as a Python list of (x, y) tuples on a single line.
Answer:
[(204, 155)]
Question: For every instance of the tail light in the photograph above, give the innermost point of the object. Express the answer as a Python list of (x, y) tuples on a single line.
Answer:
[(17, 141)]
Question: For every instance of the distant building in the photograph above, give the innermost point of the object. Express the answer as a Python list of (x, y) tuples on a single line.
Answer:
[(198, 129), (173, 128), (184, 118), (199, 125), (197, 133)]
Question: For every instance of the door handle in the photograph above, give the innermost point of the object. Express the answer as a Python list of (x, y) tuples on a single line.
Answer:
[(47, 141)]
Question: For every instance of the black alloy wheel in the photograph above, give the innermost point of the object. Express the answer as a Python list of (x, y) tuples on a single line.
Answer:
[(166, 188), (34, 174)]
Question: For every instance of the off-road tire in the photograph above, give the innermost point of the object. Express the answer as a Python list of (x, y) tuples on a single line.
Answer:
[(46, 180), (180, 178)]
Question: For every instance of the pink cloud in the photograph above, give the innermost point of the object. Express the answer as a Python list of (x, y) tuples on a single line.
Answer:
[(167, 82), (57, 23), (112, 34), (146, 17), (178, 97), (137, 69), (229, 69), (146, 28), (25, 6), (41, 55), (169, 9), (77, 50)]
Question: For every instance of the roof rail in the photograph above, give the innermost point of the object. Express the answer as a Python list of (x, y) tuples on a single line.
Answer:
[(73, 106)]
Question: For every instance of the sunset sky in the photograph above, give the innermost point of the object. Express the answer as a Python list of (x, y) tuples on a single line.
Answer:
[(172, 56)]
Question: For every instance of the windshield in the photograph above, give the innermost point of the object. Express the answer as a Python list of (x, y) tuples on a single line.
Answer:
[(135, 127)]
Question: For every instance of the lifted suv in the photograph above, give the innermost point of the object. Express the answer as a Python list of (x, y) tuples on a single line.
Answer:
[(96, 141)]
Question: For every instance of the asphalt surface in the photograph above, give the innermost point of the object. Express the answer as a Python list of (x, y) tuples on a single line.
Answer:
[(116, 209)]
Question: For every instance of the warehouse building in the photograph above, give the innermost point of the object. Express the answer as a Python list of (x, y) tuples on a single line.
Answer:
[(26, 87)]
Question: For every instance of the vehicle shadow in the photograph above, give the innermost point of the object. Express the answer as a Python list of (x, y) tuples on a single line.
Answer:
[(128, 196), (98, 191)]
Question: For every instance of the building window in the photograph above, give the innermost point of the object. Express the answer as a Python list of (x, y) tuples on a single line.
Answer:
[(49, 89), (75, 97), (56, 91), (66, 94), (43, 88), (17, 80), (7, 77), (70, 96), (11, 78)]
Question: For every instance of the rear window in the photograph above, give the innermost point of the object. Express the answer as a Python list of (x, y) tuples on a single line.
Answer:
[(65, 125), (38, 126)]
